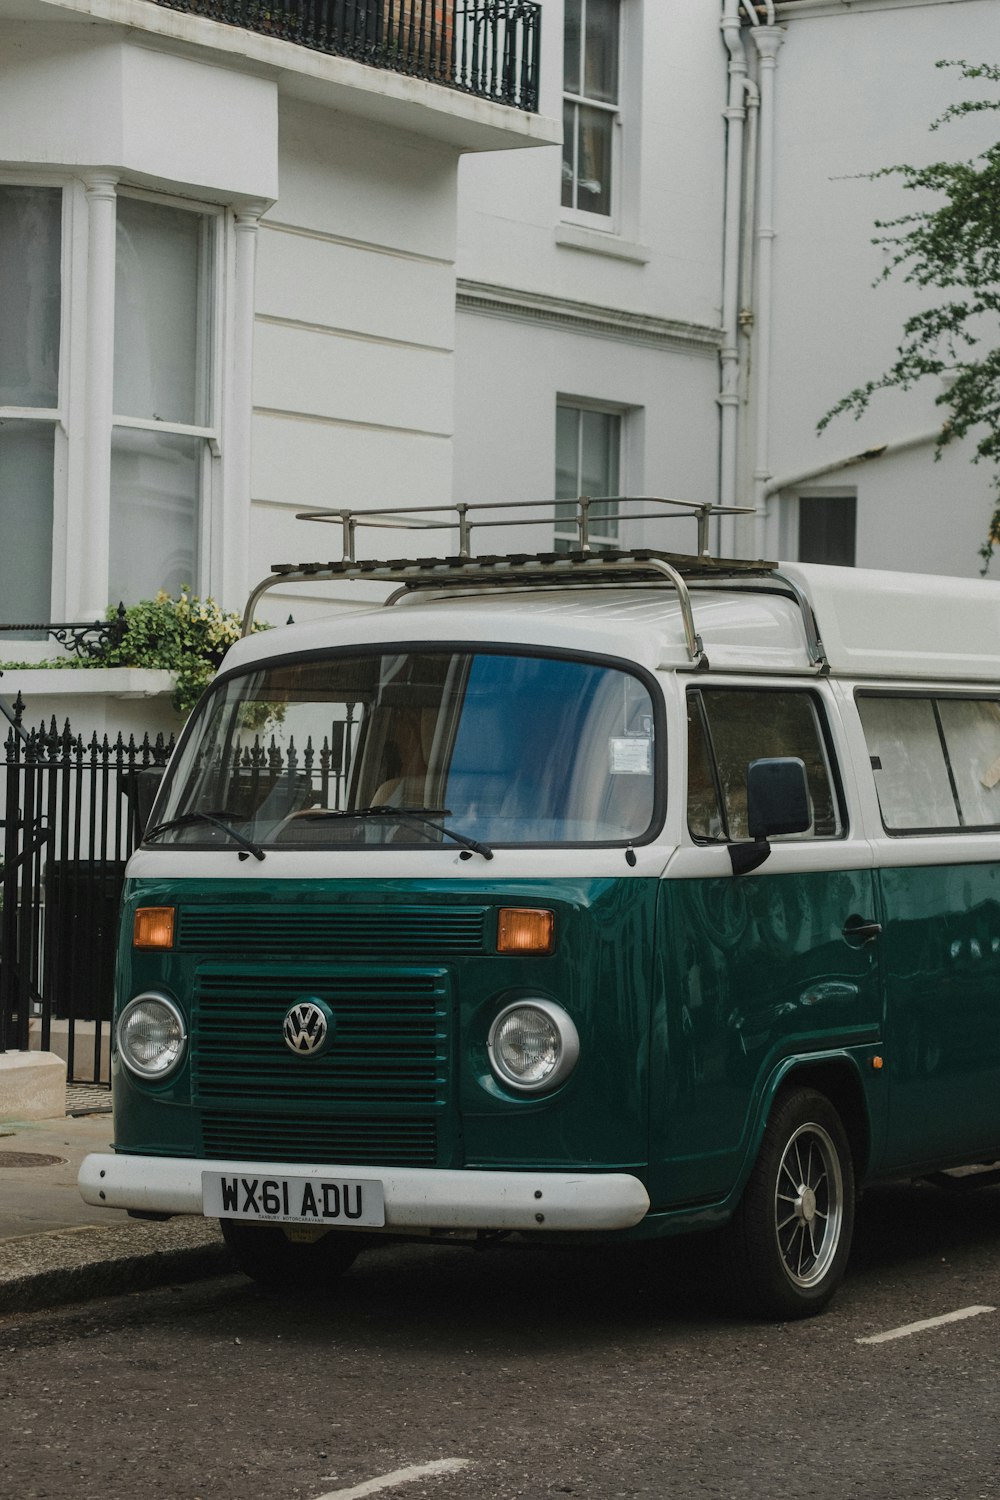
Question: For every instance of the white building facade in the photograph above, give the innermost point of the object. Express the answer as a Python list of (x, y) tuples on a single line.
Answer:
[(227, 290), (687, 288), (240, 277)]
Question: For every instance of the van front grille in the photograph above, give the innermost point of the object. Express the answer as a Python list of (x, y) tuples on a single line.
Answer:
[(344, 931), (360, 1141), (389, 1044)]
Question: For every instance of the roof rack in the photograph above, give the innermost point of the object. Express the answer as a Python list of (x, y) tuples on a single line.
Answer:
[(585, 564)]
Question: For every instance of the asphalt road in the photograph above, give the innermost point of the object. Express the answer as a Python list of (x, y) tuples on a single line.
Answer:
[(439, 1374)]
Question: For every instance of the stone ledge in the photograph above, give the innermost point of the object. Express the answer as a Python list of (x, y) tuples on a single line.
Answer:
[(32, 1086), (86, 682)]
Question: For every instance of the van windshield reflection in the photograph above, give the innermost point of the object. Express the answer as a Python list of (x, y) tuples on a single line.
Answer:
[(414, 748)]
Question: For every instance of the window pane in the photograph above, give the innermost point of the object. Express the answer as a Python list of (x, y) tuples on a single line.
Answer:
[(572, 42), (972, 735), (569, 155), (593, 188), (827, 528), (911, 775), (26, 464), (517, 749), (567, 452), (162, 314), (600, 436), (588, 447), (753, 725), (155, 495), (30, 275), (704, 816), (601, 54)]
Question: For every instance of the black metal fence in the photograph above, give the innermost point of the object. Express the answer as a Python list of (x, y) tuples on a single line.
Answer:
[(489, 48), (68, 822)]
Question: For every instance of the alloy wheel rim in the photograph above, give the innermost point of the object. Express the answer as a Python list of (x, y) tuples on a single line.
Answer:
[(808, 1205)]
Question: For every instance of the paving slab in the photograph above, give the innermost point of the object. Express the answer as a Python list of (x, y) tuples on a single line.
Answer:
[(54, 1248)]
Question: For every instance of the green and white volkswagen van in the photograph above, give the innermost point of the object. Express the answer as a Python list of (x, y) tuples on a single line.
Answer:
[(568, 896)]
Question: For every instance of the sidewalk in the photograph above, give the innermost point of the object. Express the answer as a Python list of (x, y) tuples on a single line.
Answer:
[(54, 1248)]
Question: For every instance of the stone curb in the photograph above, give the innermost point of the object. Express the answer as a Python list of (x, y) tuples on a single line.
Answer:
[(73, 1265)]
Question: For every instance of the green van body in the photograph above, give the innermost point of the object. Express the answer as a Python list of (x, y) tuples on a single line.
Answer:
[(860, 962)]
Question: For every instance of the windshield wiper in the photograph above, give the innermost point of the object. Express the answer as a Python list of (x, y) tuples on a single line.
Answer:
[(217, 821), (405, 814)]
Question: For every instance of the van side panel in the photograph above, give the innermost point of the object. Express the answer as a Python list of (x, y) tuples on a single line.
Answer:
[(750, 972), (940, 949)]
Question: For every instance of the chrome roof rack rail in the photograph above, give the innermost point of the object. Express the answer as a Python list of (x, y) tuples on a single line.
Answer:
[(591, 561)]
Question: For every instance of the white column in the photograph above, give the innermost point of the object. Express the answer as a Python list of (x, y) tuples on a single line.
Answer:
[(87, 583), (231, 563)]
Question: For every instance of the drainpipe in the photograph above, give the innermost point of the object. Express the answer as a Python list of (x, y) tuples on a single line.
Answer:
[(767, 40), (740, 90)]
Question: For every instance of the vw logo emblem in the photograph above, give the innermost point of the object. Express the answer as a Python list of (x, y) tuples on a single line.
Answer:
[(308, 1027)]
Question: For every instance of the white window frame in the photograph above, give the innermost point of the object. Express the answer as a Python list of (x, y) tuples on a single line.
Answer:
[(212, 289), (584, 217), (824, 494), (74, 510), (55, 417), (568, 534)]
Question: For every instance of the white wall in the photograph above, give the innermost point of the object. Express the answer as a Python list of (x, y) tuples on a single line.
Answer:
[(856, 91), (81, 96), (354, 335), (660, 259)]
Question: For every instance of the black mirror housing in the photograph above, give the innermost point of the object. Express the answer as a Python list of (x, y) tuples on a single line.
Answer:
[(142, 791), (777, 797)]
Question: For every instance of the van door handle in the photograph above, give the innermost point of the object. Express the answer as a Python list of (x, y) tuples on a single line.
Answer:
[(858, 931)]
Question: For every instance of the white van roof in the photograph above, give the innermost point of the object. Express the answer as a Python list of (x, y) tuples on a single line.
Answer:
[(787, 617), (882, 624)]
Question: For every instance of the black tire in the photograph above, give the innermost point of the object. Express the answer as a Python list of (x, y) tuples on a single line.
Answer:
[(790, 1237), (266, 1254)]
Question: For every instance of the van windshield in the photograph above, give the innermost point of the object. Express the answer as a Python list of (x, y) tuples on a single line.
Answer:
[(500, 748)]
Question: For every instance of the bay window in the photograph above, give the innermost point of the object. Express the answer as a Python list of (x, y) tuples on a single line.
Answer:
[(163, 419), (156, 423), (30, 337)]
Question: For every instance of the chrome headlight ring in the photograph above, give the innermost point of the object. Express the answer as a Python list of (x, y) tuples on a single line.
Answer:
[(151, 1036), (533, 1045)]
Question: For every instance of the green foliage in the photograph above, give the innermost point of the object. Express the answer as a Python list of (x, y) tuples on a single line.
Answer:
[(187, 635), (954, 248)]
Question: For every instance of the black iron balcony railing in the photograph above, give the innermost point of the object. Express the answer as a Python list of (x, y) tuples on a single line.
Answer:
[(489, 48)]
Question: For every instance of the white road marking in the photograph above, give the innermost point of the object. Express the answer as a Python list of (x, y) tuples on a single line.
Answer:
[(398, 1476), (908, 1328)]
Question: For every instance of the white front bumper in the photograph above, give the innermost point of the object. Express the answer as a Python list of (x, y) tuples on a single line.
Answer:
[(415, 1197)]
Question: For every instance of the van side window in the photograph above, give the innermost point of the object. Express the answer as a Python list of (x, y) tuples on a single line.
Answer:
[(730, 727), (936, 761)]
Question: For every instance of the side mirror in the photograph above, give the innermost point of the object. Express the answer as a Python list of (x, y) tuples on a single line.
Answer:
[(142, 791), (777, 797), (777, 803)]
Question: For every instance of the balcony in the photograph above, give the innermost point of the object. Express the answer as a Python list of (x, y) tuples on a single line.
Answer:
[(485, 48)]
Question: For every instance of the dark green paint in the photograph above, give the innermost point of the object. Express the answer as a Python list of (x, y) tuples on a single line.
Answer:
[(940, 951), (695, 1001)]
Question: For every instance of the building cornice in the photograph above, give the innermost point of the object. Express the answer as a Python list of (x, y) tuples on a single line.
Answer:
[(801, 10), (586, 318)]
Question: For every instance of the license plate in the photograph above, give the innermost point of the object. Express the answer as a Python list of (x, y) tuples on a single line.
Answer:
[(348, 1202)]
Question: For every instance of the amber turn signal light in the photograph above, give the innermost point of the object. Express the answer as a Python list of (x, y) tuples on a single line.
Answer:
[(525, 929), (153, 927)]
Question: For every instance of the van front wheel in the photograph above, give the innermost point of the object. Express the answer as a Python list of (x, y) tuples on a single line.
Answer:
[(790, 1238), (266, 1254)]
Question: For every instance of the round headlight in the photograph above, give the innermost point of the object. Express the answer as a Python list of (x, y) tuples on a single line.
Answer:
[(151, 1036), (533, 1045)]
